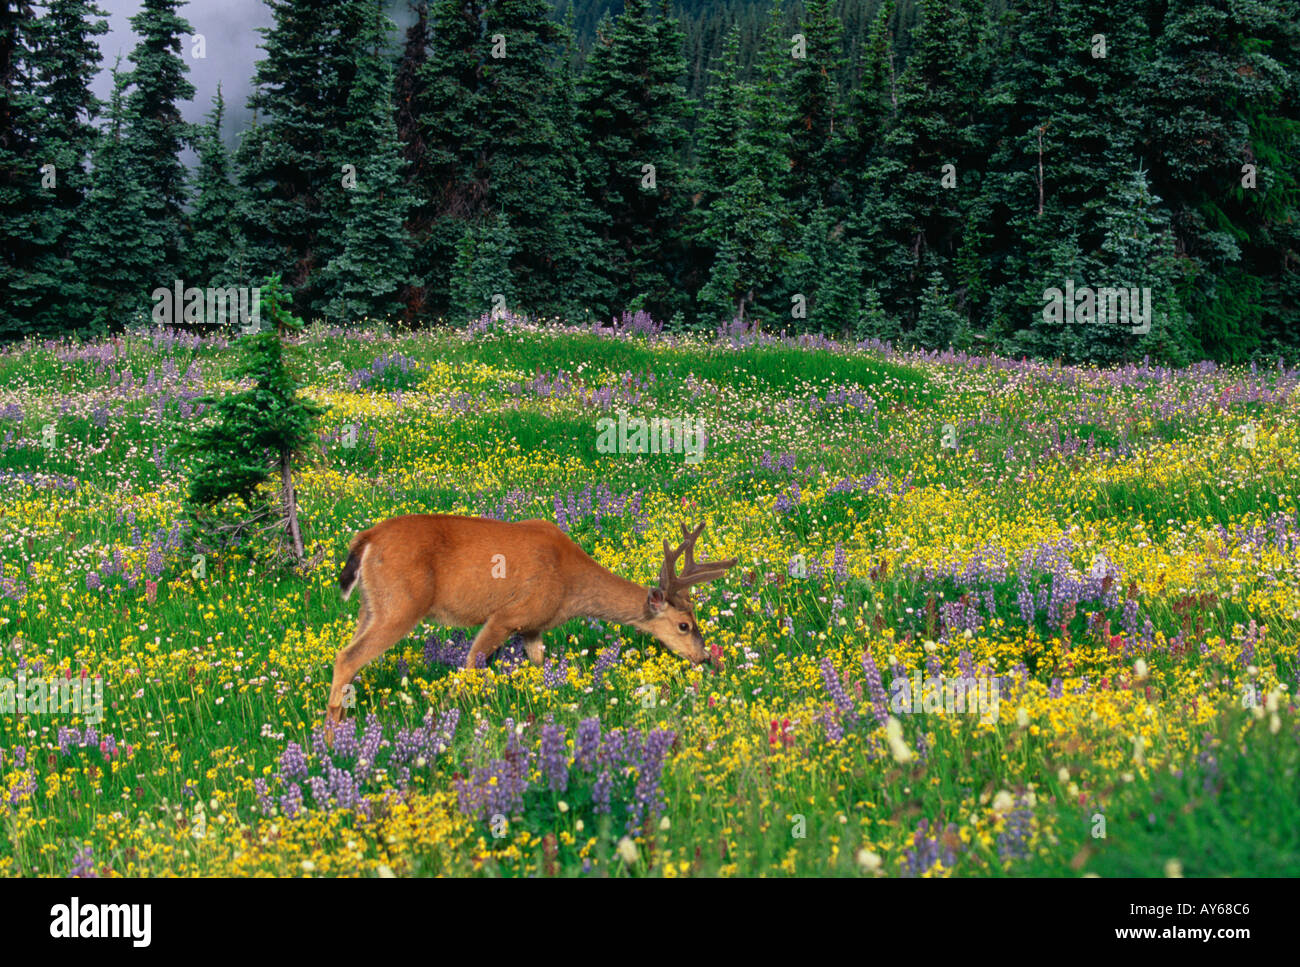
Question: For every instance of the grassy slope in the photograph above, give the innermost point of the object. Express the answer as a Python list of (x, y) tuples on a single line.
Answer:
[(209, 677)]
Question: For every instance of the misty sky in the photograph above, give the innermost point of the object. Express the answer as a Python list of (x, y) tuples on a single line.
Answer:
[(229, 28)]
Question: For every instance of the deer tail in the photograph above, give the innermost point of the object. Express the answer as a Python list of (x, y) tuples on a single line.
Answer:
[(351, 573)]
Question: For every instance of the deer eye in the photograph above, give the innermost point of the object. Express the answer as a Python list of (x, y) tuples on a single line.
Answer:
[(683, 627)]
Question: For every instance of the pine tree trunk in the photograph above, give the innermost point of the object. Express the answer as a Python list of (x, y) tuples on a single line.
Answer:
[(289, 502)]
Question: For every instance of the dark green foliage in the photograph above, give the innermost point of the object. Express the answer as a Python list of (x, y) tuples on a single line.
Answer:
[(46, 118), (252, 434), (632, 114), (482, 269), (872, 321), (508, 154), (365, 278), (155, 131), (289, 161), (495, 137), (119, 245), (740, 211), (937, 321), (827, 274), (213, 220), (815, 137)]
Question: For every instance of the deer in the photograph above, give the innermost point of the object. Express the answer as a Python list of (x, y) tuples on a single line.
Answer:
[(525, 577)]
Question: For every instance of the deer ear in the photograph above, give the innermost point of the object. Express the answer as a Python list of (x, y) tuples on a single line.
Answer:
[(656, 601)]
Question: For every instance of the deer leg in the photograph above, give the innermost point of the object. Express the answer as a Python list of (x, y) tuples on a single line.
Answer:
[(535, 648), (373, 637), (489, 638)]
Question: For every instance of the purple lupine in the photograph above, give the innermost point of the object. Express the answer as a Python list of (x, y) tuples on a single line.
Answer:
[(293, 763), (1013, 841), (1131, 619), (556, 673), (1025, 599), (841, 566), (835, 687), (552, 756), (1248, 643), (966, 663), (587, 744), (445, 733), (875, 688), (600, 791), (368, 749), (291, 800), (606, 660), (320, 791), (928, 850), (264, 796), (897, 677), (649, 764), (834, 727), (83, 865)]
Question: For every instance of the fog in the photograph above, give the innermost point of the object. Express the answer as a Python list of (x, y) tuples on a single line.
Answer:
[(232, 49)]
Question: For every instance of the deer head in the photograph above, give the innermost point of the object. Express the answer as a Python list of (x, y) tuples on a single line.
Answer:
[(670, 613)]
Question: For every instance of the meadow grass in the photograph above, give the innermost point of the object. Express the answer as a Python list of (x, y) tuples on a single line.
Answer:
[(1108, 548)]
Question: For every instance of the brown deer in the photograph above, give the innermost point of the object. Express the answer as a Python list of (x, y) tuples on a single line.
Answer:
[(526, 577)]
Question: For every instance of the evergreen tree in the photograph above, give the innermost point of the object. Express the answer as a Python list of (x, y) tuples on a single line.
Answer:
[(497, 132), (155, 131), (828, 275), (408, 98), (872, 322), (64, 61), (253, 436), (452, 99), (1070, 122), (532, 168), (213, 220), (1137, 253), (1023, 330), (24, 236), (288, 160), (935, 148), (633, 114), (482, 269), (815, 133), (118, 238), (937, 321), (740, 218), (872, 103), (365, 278), (1220, 98)]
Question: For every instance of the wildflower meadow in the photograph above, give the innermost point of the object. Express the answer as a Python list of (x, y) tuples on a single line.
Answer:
[(991, 617)]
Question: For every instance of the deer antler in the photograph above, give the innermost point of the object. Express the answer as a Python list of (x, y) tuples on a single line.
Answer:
[(694, 572)]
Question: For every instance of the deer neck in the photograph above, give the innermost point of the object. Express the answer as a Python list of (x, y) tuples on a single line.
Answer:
[(607, 596)]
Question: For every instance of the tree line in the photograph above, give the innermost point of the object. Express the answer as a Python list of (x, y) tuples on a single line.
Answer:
[(925, 182)]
